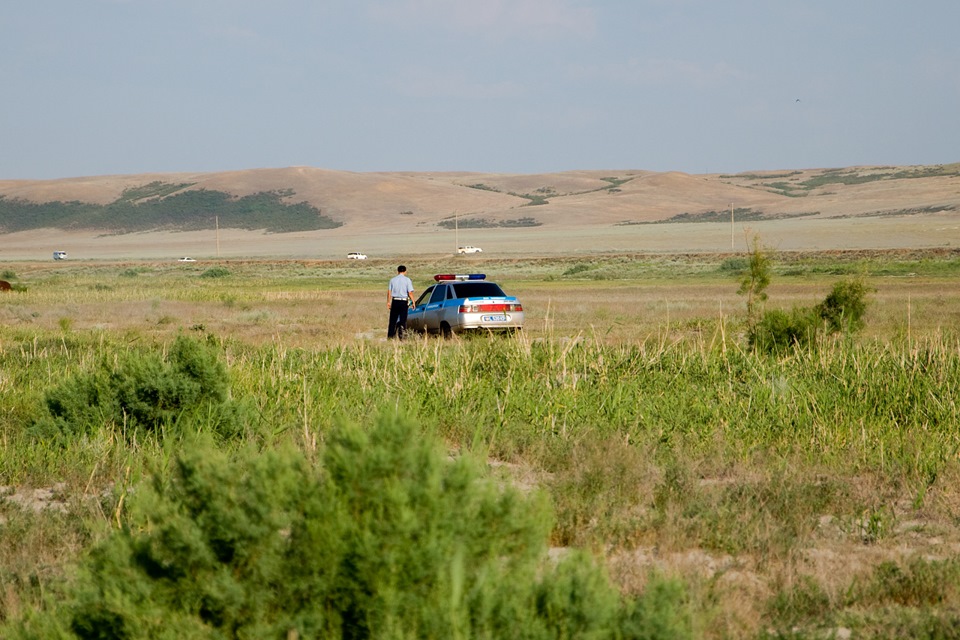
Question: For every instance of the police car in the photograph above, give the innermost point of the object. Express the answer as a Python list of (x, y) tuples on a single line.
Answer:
[(463, 302)]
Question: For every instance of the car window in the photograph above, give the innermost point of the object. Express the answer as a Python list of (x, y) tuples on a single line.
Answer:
[(438, 293), (425, 295), (477, 290)]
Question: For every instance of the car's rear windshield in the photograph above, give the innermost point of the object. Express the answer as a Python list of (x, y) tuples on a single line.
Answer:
[(477, 290)]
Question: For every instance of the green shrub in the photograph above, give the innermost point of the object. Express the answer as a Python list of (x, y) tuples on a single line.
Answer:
[(577, 269), (389, 539), (844, 308), (734, 265), (215, 272), (841, 311), (918, 583), (146, 391), (778, 331), (802, 603), (660, 614), (133, 272)]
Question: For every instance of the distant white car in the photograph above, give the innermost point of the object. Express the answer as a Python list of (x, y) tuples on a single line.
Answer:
[(469, 249), (59, 255), (186, 259), (355, 255)]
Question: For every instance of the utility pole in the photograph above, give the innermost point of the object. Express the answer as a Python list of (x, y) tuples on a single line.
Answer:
[(731, 227), (216, 221), (456, 232)]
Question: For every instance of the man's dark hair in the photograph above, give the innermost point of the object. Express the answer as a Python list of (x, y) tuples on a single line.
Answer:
[(401, 269)]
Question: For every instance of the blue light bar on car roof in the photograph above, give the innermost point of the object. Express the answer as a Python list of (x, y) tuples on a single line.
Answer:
[(460, 276)]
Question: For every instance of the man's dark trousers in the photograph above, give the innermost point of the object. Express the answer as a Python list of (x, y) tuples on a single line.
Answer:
[(398, 318)]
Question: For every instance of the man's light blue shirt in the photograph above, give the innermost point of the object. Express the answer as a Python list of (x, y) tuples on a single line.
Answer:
[(400, 286)]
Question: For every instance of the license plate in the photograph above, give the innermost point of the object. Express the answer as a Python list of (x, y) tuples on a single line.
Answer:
[(497, 318)]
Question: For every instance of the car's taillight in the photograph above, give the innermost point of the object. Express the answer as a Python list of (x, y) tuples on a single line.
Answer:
[(486, 308)]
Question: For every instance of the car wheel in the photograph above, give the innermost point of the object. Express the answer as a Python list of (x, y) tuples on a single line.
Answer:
[(446, 331)]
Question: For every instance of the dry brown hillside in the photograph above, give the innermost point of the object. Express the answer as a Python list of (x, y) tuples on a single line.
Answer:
[(387, 214)]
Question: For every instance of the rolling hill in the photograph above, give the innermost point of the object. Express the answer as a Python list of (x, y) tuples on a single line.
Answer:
[(305, 211)]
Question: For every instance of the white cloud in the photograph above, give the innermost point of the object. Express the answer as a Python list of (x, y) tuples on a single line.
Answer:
[(497, 18)]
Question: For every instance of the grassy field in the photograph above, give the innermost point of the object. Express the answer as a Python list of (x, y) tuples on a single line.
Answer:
[(808, 494)]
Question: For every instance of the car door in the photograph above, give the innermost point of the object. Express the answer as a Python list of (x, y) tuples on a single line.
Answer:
[(433, 312), (451, 308), (415, 316)]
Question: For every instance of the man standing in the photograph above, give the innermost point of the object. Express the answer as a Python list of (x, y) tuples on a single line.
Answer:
[(399, 292)]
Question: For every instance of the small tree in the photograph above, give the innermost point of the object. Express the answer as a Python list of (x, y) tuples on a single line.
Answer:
[(756, 280)]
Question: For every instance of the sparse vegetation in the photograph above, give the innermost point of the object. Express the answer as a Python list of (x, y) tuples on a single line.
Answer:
[(616, 182), (741, 214), (905, 212), (152, 190), (520, 222), (797, 188), (534, 198), (467, 223), (757, 176), (482, 223), (483, 187)]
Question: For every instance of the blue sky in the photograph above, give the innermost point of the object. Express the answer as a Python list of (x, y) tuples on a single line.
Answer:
[(94, 87)]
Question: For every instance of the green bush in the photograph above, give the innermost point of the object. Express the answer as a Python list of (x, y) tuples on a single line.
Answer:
[(841, 311), (917, 583), (778, 330), (388, 539), (215, 272), (802, 603), (144, 391), (577, 269), (734, 265), (844, 308)]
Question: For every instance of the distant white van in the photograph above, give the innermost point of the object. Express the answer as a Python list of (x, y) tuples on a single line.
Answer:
[(59, 255)]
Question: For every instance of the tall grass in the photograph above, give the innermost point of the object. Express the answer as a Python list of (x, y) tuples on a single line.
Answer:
[(655, 435)]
